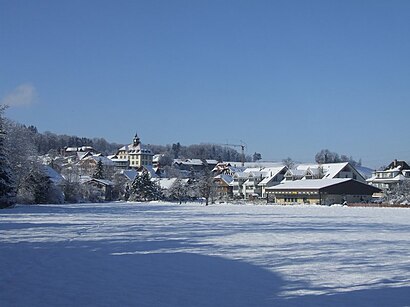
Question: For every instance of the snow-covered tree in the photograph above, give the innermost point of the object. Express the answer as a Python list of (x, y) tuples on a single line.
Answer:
[(7, 182), (72, 188), (92, 193), (288, 162), (326, 156), (207, 186), (120, 189), (178, 191), (143, 189), (36, 188), (22, 156), (399, 194), (166, 160)]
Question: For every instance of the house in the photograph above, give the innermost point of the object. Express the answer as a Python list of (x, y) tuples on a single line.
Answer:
[(251, 182), (152, 172), (323, 171), (275, 175), (88, 164), (251, 188), (224, 185), (168, 183), (101, 189), (194, 165), (227, 169), (119, 163), (74, 151), (136, 154), (394, 174), (129, 174), (55, 177), (321, 191), (237, 184)]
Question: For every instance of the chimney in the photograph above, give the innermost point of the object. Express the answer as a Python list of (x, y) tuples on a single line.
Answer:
[(395, 163)]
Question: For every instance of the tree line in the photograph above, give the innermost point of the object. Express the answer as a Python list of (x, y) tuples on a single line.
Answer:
[(50, 142), (197, 151)]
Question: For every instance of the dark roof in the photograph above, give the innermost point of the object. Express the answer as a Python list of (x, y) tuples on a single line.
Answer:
[(331, 186), (351, 187), (397, 163)]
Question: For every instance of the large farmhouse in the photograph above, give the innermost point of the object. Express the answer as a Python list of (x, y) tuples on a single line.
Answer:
[(321, 191)]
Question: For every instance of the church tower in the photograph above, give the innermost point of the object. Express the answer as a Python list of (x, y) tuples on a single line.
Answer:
[(136, 141), (136, 153)]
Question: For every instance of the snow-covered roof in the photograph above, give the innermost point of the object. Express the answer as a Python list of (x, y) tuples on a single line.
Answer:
[(151, 171), (365, 172), (189, 161), (296, 172), (54, 176), (156, 158), (81, 148), (394, 179), (105, 161), (130, 174), (228, 179), (332, 169), (166, 183), (260, 164), (234, 169), (272, 173), (253, 169), (102, 181), (241, 175), (249, 183), (312, 184), (210, 161), (82, 155), (135, 149)]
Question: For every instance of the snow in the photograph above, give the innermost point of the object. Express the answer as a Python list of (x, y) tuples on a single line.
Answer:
[(309, 184), (161, 254)]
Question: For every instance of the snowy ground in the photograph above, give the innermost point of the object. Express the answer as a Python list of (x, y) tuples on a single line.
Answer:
[(161, 254)]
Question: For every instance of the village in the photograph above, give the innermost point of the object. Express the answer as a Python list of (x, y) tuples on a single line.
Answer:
[(108, 178)]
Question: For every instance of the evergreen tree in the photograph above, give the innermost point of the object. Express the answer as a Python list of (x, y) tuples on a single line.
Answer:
[(7, 183), (143, 189), (99, 171), (256, 156)]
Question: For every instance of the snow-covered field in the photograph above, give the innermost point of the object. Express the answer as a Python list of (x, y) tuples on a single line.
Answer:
[(159, 254)]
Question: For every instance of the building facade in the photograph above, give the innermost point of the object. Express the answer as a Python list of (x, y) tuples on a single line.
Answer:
[(393, 175), (136, 154), (321, 192)]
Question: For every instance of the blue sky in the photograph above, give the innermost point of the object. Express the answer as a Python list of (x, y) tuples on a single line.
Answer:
[(288, 78)]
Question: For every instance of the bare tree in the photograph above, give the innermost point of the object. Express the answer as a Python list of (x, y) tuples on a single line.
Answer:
[(207, 186), (178, 191), (288, 162)]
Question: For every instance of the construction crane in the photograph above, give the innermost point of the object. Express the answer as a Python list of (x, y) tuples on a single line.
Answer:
[(242, 146)]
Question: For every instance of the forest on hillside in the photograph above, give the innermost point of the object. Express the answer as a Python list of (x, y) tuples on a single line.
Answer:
[(49, 142)]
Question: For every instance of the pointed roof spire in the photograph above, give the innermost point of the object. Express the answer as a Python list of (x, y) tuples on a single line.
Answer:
[(136, 140)]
